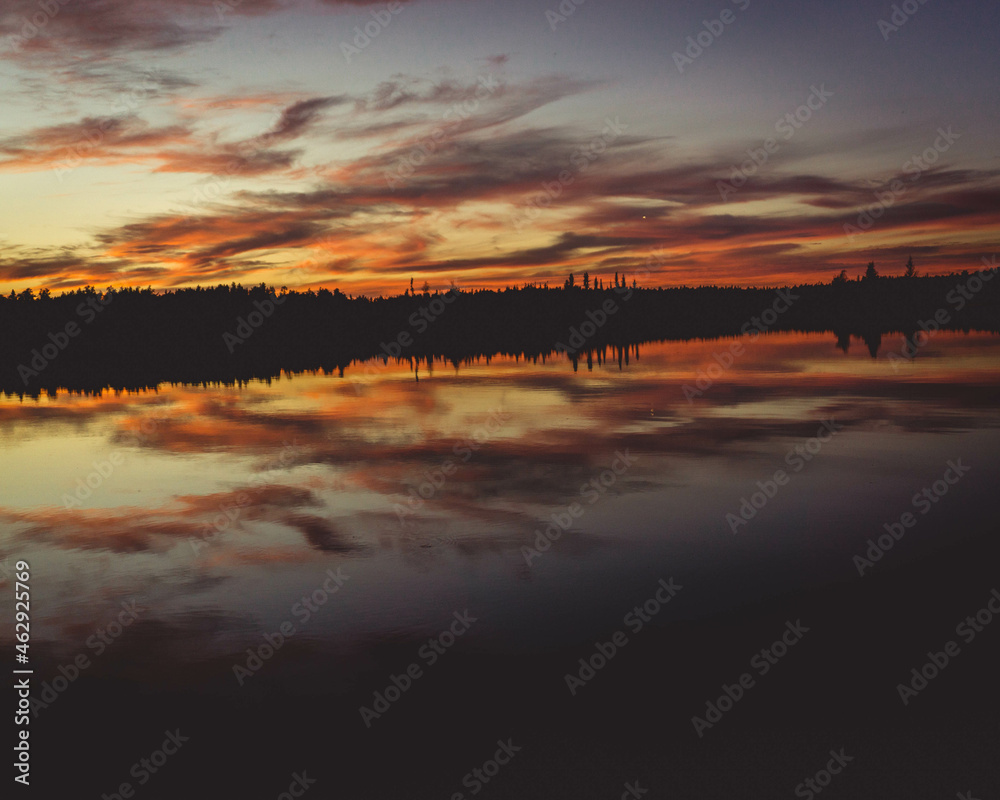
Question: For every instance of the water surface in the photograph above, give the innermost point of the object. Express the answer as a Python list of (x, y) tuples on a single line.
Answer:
[(218, 509)]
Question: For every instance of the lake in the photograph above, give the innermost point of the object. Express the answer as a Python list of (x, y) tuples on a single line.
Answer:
[(378, 577)]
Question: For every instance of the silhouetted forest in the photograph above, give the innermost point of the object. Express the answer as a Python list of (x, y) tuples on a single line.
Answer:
[(88, 340)]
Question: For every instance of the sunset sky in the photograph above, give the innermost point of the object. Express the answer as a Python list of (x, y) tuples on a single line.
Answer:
[(493, 142)]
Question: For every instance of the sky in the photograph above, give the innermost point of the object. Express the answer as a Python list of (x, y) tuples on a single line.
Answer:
[(356, 144)]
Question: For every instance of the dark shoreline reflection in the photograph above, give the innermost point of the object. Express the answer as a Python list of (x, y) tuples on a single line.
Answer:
[(87, 380)]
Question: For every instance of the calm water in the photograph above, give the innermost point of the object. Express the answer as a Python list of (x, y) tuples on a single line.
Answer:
[(218, 509)]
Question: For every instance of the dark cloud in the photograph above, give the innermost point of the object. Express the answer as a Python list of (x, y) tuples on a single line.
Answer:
[(103, 139), (299, 116), (173, 148), (83, 32)]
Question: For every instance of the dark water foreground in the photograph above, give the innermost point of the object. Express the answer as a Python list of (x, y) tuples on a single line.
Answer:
[(834, 690), (418, 568)]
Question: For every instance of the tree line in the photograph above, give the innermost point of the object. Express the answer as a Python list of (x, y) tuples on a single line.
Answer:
[(135, 338)]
